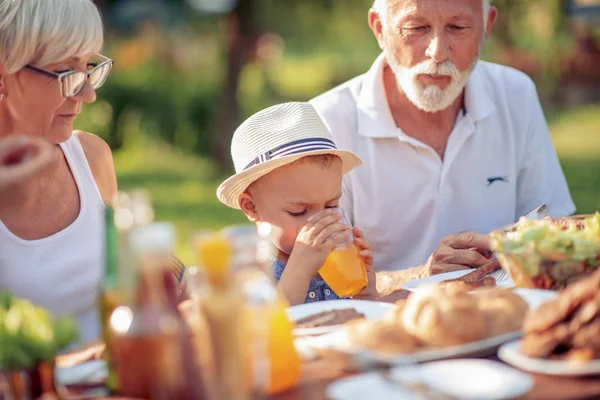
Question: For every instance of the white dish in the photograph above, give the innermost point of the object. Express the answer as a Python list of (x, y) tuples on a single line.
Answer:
[(370, 386), (87, 373), (505, 280), (373, 310), (486, 380), (511, 354), (339, 341)]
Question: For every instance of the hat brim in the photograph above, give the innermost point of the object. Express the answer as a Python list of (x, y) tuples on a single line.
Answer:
[(230, 190)]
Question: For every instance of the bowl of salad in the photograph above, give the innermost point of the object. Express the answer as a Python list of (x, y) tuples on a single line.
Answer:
[(550, 253), (30, 338)]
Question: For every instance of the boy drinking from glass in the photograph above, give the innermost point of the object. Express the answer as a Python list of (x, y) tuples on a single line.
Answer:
[(289, 174)]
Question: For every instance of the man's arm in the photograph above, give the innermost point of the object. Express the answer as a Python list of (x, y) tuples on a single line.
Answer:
[(455, 252), (389, 282)]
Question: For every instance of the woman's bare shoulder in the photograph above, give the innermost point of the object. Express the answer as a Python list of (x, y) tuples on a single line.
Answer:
[(99, 157)]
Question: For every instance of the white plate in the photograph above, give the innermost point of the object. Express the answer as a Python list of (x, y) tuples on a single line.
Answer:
[(486, 380), (373, 310), (511, 354), (505, 282), (339, 341), (370, 386), (87, 373)]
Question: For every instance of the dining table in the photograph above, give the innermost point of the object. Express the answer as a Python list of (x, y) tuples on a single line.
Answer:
[(319, 373)]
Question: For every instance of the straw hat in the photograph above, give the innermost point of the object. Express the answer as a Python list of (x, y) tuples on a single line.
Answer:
[(274, 137)]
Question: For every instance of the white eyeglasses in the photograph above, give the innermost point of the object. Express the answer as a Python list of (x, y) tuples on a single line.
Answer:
[(72, 82)]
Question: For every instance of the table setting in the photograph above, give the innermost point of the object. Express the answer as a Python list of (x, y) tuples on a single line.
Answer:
[(531, 334)]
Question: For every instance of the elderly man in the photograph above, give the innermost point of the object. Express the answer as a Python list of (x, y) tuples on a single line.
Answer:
[(450, 143)]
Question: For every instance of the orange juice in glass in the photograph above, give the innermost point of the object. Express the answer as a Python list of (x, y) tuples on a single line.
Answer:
[(344, 269)]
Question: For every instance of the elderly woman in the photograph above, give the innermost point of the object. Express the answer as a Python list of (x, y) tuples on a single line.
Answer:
[(51, 225)]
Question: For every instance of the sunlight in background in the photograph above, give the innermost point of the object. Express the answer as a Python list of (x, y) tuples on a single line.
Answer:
[(160, 111)]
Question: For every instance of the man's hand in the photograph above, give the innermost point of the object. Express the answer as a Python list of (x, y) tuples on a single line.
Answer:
[(458, 251), (370, 292), (21, 158)]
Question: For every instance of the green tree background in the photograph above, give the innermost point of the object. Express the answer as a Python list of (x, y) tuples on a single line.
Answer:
[(184, 79)]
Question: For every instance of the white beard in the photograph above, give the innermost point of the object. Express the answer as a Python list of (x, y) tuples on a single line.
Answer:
[(431, 98)]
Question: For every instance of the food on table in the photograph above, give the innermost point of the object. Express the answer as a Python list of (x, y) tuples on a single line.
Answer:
[(504, 310), (588, 335), (29, 334), (568, 327), (440, 316), (485, 283), (576, 355), (585, 314), (329, 318), (395, 315), (542, 344), (382, 337), (559, 309), (550, 253)]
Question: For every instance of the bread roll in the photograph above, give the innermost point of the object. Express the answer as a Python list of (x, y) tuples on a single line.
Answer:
[(504, 310), (381, 337), (394, 316), (443, 317)]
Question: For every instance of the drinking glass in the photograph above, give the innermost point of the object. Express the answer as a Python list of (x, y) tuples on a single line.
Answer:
[(344, 269)]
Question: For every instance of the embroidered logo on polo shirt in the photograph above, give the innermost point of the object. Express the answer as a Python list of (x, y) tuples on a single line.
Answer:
[(493, 179)]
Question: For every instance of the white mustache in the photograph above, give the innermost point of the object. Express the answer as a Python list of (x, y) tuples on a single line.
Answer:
[(429, 67)]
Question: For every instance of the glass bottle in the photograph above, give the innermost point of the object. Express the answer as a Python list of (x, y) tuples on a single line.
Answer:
[(127, 211), (222, 306), (154, 355)]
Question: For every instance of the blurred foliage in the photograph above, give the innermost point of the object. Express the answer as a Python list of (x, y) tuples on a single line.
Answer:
[(183, 81), (191, 78)]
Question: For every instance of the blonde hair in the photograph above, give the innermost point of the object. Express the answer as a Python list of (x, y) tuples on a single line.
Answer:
[(381, 7), (41, 32)]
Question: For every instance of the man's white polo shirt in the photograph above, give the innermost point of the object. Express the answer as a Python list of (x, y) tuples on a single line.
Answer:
[(499, 164)]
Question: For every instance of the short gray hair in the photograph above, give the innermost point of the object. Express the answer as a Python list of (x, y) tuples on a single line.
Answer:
[(41, 32), (381, 7)]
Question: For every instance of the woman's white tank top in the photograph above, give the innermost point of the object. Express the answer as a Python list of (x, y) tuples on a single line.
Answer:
[(62, 272)]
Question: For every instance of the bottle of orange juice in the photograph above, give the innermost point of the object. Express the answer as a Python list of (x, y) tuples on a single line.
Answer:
[(344, 269), (222, 305), (274, 365)]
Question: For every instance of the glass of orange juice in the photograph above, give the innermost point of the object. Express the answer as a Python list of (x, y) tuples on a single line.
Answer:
[(344, 269)]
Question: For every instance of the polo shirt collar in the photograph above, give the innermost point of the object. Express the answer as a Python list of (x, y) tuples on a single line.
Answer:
[(375, 120)]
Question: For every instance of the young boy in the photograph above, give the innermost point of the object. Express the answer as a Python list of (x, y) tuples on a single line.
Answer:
[(289, 174)]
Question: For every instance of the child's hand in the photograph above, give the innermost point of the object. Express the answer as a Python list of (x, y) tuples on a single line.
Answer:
[(370, 292), (321, 234)]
